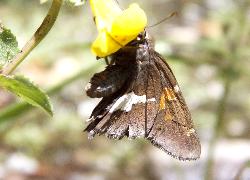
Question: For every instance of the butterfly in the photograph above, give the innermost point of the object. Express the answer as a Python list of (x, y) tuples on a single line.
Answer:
[(142, 99)]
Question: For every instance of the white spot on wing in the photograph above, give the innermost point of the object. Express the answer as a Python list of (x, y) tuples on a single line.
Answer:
[(176, 89), (190, 131), (118, 104), (126, 102), (151, 99), (91, 134), (90, 119), (88, 86)]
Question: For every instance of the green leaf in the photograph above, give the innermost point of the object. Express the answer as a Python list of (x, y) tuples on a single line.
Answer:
[(8, 46), (25, 89)]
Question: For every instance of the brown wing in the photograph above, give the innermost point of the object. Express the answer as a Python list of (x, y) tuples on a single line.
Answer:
[(173, 130), (131, 111), (102, 84), (149, 106)]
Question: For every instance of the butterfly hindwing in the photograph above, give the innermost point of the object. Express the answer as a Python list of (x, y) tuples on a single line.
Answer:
[(107, 82), (126, 114)]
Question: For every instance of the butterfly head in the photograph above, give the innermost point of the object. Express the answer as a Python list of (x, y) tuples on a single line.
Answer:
[(144, 39), (145, 45)]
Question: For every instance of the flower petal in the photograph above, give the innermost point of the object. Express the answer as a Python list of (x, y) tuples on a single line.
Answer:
[(129, 24), (104, 12), (104, 45), (116, 28)]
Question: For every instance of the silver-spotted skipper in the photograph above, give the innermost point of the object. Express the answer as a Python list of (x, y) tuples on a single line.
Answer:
[(141, 98)]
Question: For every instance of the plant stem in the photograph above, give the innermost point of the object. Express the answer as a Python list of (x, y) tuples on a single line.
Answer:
[(217, 129), (241, 170), (39, 35)]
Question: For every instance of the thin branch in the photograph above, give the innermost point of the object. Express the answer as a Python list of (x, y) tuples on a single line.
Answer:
[(39, 35)]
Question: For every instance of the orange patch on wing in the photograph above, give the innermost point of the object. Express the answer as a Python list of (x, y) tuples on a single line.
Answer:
[(168, 117), (169, 94), (162, 101)]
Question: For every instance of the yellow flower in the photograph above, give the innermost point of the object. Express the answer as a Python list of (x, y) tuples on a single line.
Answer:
[(116, 27)]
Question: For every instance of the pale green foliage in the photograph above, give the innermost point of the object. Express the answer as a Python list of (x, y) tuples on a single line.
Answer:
[(26, 90), (72, 2), (8, 46)]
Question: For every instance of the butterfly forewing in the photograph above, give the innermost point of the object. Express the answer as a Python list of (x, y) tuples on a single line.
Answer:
[(149, 104), (173, 130)]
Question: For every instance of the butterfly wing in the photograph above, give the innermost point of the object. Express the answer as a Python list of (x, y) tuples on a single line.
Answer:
[(150, 106), (172, 128), (123, 113)]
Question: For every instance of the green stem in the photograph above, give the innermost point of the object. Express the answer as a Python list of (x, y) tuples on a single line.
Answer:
[(39, 35)]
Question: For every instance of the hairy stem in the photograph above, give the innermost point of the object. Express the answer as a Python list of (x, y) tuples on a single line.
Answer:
[(39, 35)]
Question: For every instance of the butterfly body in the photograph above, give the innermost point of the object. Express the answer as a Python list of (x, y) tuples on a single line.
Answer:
[(141, 98)]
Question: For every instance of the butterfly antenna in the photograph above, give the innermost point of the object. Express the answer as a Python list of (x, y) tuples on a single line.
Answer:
[(117, 2), (166, 18)]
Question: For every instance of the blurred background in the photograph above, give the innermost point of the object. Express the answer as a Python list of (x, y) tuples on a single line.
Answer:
[(208, 47)]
